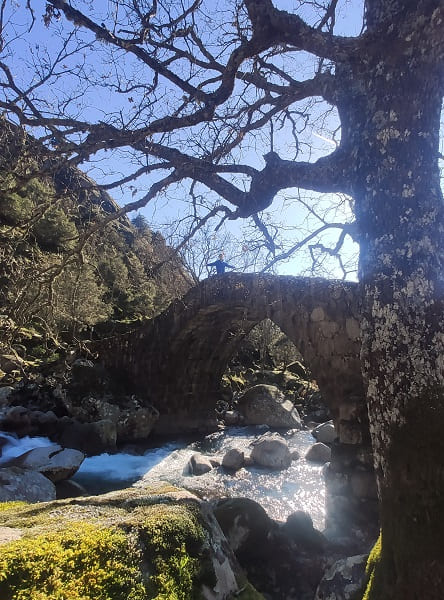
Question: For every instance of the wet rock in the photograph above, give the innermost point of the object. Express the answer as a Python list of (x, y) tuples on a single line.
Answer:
[(299, 529), (22, 484), (54, 462), (343, 580), (266, 405), (233, 460), (245, 524), (5, 394), (90, 438), (319, 453), (199, 464), (271, 450), (232, 417), (325, 433), (18, 420), (69, 489), (95, 409)]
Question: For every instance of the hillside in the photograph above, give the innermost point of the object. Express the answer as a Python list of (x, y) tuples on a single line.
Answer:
[(61, 275)]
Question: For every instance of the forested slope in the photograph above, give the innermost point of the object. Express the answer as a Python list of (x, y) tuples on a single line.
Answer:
[(63, 272)]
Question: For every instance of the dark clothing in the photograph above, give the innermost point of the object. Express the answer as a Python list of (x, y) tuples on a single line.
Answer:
[(220, 266)]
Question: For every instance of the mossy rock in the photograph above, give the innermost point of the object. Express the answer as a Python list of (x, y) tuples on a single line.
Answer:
[(157, 543)]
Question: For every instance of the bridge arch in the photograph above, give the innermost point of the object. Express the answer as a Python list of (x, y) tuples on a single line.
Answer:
[(177, 360)]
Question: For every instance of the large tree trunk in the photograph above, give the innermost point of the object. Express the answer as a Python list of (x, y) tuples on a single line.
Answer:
[(391, 119)]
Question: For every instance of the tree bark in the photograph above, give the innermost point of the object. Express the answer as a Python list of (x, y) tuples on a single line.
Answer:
[(390, 120)]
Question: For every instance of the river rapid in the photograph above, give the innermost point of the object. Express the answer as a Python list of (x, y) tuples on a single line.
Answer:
[(300, 487)]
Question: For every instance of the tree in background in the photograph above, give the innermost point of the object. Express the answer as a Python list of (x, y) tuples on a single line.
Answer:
[(195, 90)]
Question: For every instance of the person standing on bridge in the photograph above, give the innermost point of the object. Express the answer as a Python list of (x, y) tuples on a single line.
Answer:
[(220, 265)]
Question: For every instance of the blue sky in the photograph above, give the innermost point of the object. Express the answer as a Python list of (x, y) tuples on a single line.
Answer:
[(96, 103)]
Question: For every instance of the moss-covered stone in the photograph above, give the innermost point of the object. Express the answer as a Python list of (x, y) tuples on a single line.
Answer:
[(82, 561), (5, 506), (157, 543)]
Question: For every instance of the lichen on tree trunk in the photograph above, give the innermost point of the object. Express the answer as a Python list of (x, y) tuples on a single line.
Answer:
[(400, 214)]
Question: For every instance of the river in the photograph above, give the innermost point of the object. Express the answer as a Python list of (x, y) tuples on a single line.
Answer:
[(300, 487)]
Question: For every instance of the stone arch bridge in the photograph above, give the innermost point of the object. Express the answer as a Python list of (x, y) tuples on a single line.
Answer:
[(176, 361)]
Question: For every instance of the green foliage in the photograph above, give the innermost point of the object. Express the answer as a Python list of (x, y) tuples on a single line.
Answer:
[(55, 230), (50, 282), (140, 223), (78, 300), (15, 209), (173, 537), (83, 562)]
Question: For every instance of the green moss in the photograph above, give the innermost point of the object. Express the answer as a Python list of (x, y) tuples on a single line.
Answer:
[(371, 570), (81, 563), (119, 546), (248, 592), (174, 538), (5, 506)]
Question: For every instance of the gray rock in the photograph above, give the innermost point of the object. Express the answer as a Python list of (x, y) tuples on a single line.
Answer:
[(233, 460), (5, 393), (69, 489), (43, 418), (271, 450), (245, 524), (266, 405), (319, 453), (343, 580), (136, 424), (232, 417), (17, 419), (299, 528), (198, 464), (90, 438), (54, 462), (295, 455), (21, 484), (325, 433)]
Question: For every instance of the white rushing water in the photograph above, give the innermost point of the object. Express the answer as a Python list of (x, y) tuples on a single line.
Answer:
[(300, 487)]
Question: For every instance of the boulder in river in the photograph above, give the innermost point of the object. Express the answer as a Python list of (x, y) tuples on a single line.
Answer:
[(319, 453), (199, 464), (55, 462), (271, 450), (299, 529), (233, 459), (22, 484), (90, 438), (136, 424), (325, 433), (266, 405)]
